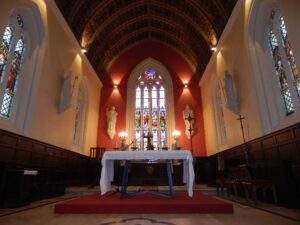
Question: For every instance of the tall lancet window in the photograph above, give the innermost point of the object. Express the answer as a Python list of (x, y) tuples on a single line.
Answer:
[(80, 112), (220, 118), (150, 110), (284, 61), (11, 55)]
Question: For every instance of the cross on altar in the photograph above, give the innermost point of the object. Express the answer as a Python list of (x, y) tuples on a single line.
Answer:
[(189, 118), (241, 118)]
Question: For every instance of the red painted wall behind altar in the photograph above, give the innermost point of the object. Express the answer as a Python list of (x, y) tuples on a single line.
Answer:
[(180, 71)]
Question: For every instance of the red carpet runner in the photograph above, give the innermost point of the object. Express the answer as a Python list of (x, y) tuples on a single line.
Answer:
[(112, 204)]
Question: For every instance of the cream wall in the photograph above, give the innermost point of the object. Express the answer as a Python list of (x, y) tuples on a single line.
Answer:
[(58, 52), (244, 55)]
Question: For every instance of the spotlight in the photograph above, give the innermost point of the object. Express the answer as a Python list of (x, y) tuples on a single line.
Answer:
[(185, 85), (213, 48), (115, 86)]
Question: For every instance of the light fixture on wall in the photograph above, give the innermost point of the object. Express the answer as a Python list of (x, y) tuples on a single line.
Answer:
[(115, 86), (186, 85), (83, 50), (213, 48)]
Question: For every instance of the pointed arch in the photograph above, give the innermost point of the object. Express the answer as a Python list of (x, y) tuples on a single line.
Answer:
[(27, 25), (80, 115), (169, 97), (275, 84), (219, 114)]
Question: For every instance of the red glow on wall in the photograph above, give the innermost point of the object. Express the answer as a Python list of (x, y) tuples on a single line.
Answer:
[(180, 72)]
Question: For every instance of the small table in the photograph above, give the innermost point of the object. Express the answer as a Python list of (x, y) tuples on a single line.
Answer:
[(127, 167), (107, 172)]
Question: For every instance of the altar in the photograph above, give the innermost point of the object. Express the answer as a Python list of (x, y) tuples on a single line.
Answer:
[(107, 172)]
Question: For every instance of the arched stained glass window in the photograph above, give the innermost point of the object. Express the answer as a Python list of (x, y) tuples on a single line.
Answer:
[(78, 117), (12, 60), (220, 118), (150, 110), (282, 55), (5, 48), (289, 55)]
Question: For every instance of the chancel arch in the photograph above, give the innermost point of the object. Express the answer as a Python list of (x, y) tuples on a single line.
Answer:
[(150, 104), (274, 66)]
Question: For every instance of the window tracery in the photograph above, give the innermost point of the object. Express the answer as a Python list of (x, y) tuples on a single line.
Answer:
[(150, 110), (10, 65), (282, 55)]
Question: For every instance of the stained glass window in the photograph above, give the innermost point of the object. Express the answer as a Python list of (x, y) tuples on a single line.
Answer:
[(78, 117), (289, 55), (281, 71), (220, 115), (13, 71), (5, 48), (12, 79), (150, 110)]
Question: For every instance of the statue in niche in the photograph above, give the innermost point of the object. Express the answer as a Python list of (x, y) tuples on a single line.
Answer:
[(111, 115), (188, 117), (231, 98)]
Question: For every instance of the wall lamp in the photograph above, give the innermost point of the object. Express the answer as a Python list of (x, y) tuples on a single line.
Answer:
[(83, 50), (186, 85), (115, 86), (213, 48)]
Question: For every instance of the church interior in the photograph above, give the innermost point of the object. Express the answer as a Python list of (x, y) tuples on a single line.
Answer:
[(149, 112)]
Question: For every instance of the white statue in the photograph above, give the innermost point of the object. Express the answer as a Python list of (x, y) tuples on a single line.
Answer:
[(231, 97), (188, 117), (111, 115)]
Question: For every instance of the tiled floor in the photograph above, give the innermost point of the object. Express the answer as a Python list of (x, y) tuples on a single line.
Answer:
[(44, 215)]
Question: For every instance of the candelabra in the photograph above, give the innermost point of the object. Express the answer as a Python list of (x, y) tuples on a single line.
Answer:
[(176, 134), (123, 136)]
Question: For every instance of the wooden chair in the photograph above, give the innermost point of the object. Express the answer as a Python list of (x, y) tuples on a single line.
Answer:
[(241, 179), (97, 152)]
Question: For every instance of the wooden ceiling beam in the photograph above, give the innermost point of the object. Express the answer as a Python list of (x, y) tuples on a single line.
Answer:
[(162, 5)]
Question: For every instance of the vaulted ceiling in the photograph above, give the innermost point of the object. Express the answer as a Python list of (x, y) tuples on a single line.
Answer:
[(106, 28)]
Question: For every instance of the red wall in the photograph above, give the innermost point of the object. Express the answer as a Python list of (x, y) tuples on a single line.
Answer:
[(180, 71)]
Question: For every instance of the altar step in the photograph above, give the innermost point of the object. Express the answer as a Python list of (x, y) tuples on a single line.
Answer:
[(113, 204), (197, 187)]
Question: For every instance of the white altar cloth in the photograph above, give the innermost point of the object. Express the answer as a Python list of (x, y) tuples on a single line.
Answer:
[(107, 172)]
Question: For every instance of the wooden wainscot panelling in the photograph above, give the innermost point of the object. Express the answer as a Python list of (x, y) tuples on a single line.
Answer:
[(268, 142), (24, 144), (286, 151), (284, 136), (274, 157), (255, 146), (297, 132), (22, 158), (6, 154), (7, 139)]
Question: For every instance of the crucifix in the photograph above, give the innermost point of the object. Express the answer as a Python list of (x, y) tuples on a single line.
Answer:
[(149, 137), (241, 118), (189, 118)]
